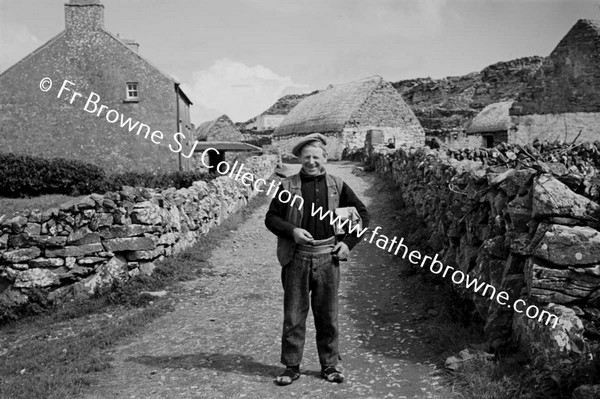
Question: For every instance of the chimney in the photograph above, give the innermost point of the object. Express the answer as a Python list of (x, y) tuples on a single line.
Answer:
[(83, 15)]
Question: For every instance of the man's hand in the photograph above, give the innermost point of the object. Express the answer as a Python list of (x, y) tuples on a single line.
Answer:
[(341, 251), (302, 236)]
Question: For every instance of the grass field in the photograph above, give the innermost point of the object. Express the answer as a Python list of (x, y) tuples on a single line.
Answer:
[(13, 206)]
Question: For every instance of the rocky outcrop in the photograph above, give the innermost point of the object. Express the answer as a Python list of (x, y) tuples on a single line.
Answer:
[(520, 228), (446, 106), (91, 241)]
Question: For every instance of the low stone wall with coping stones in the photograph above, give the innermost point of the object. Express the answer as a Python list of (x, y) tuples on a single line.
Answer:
[(91, 241)]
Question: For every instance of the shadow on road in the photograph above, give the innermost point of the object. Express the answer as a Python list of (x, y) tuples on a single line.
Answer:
[(231, 362), (217, 361)]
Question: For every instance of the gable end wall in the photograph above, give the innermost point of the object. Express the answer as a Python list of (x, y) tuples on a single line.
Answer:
[(384, 109), (38, 123)]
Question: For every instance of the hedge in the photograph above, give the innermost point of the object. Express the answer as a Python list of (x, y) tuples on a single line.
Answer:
[(28, 176)]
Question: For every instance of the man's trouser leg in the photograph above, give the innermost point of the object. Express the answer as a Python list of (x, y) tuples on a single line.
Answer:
[(295, 278), (324, 301)]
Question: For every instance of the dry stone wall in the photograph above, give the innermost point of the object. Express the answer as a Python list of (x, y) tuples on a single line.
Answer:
[(520, 228), (91, 241)]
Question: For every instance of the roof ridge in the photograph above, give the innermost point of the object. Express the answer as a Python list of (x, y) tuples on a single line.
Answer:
[(118, 39), (34, 52)]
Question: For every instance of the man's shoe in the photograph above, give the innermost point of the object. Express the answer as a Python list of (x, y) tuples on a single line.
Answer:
[(333, 374), (290, 375)]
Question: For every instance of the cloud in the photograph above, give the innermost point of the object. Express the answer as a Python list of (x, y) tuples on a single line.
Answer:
[(16, 41), (238, 90)]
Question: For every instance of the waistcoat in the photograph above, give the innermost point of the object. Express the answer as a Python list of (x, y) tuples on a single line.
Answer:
[(293, 184)]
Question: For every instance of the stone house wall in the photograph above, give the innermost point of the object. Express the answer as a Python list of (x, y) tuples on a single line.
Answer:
[(522, 230), (562, 99), (37, 123), (91, 241), (569, 78), (385, 110), (583, 126)]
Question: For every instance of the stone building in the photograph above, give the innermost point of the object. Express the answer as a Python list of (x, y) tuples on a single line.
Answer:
[(135, 109), (345, 113), (563, 98), (268, 122), (220, 129), (490, 127)]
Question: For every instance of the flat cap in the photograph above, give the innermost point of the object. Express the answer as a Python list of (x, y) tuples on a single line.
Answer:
[(308, 139)]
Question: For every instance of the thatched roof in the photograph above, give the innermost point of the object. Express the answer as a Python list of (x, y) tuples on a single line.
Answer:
[(226, 146), (328, 111), (220, 129), (492, 118)]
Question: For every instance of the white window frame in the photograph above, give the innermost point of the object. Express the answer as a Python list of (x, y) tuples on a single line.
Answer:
[(129, 97)]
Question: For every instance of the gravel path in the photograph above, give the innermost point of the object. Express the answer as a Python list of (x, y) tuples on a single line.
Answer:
[(223, 339)]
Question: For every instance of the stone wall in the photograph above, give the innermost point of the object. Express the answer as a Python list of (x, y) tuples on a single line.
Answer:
[(583, 126), (91, 241), (519, 227)]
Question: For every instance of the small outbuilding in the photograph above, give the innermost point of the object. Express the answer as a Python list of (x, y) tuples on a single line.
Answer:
[(345, 113), (220, 129), (490, 127)]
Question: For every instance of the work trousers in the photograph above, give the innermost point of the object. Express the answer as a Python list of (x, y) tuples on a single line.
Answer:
[(310, 280)]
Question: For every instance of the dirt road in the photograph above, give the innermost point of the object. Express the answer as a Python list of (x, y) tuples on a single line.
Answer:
[(223, 339)]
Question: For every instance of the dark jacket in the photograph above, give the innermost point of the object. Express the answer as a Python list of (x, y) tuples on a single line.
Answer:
[(314, 192)]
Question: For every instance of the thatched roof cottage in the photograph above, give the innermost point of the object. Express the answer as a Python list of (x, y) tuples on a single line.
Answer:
[(345, 113), (490, 127), (220, 129)]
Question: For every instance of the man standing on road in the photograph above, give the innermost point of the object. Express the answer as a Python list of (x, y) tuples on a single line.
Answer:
[(309, 253)]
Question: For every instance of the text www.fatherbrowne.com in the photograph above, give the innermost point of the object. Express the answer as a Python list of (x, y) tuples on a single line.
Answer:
[(436, 267)]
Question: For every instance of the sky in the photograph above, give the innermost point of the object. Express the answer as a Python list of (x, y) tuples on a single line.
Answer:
[(237, 57)]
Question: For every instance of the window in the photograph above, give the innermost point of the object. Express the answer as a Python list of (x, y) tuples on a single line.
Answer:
[(489, 141), (132, 91)]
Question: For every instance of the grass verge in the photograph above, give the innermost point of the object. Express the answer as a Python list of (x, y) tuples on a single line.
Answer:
[(13, 206), (58, 352)]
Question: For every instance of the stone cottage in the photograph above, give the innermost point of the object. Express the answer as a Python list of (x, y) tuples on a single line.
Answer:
[(132, 118), (220, 129), (345, 113), (563, 98), (268, 122), (490, 127)]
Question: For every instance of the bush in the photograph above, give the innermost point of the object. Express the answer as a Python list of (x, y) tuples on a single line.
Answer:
[(22, 175), (26, 176)]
